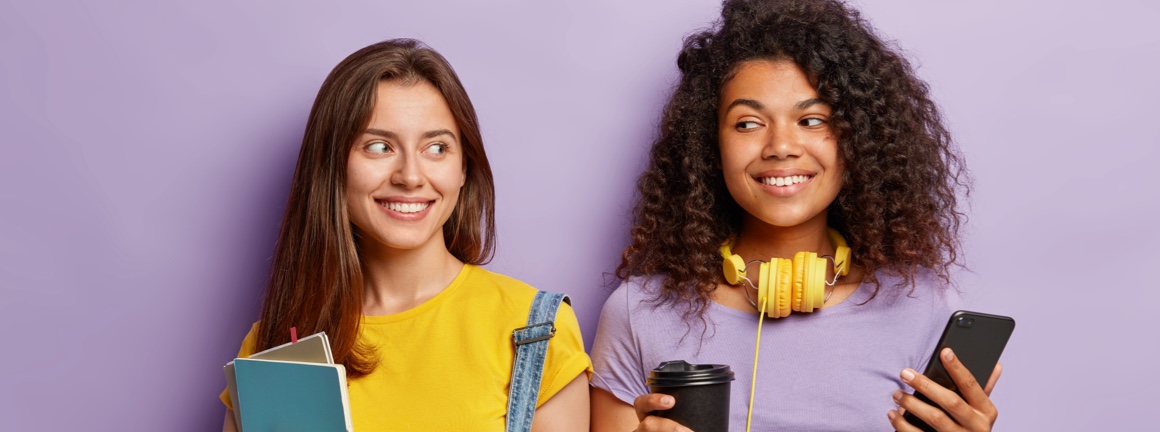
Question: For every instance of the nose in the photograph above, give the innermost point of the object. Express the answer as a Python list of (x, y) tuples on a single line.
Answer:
[(782, 142), (408, 173)]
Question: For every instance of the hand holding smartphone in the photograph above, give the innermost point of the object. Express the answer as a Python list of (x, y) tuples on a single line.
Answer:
[(977, 340)]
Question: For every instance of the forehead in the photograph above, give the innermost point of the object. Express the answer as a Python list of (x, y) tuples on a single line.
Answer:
[(415, 106), (772, 82)]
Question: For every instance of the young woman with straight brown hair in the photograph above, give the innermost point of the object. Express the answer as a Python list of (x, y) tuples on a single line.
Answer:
[(390, 213)]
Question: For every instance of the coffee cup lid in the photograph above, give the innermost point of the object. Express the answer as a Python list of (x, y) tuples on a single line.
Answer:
[(679, 373)]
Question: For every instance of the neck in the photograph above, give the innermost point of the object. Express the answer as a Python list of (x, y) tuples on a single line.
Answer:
[(760, 240), (396, 280)]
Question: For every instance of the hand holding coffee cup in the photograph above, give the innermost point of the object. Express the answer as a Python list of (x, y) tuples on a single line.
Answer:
[(692, 396), (648, 406)]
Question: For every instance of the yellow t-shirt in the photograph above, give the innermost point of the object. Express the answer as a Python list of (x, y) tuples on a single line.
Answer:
[(446, 364)]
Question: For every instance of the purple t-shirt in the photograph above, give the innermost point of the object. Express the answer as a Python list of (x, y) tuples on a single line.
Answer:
[(830, 370)]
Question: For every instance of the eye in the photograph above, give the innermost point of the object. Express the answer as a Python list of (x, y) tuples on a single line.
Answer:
[(747, 125), (812, 122), (378, 147), (437, 148)]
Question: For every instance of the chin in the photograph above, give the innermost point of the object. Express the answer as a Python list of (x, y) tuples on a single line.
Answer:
[(788, 219), (400, 240), (407, 243)]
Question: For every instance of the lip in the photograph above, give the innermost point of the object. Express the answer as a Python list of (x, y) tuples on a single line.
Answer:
[(405, 217), (784, 191)]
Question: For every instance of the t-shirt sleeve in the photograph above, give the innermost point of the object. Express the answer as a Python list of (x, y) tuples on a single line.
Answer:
[(566, 358), (615, 353), (249, 346)]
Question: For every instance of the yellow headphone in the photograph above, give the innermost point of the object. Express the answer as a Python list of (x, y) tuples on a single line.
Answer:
[(798, 284)]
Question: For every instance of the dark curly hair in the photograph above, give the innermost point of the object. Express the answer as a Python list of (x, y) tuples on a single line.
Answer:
[(897, 206)]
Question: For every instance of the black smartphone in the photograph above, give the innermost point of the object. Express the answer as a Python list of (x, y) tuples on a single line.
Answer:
[(977, 340)]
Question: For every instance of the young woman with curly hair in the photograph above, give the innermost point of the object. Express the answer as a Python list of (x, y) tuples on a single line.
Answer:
[(389, 217), (794, 127)]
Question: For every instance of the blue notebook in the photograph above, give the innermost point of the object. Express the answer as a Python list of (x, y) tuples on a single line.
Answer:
[(311, 349), (287, 396)]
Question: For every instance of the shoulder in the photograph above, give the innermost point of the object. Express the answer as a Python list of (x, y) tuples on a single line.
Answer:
[(916, 309), (625, 304), (487, 288), (915, 312), (633, 312), (925, 290), (492, 300), (507, 285), (639, 299), (565, 358), (507, 294), (631, 294)]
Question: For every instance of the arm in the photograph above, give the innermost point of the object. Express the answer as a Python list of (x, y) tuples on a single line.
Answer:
[(567, 410), (616, 360), (610, 414)]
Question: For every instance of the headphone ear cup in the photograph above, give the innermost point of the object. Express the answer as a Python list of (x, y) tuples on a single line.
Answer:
[(842, 260), (784, 287), (763, 281), (815, 284), (800, 263), (733, 267), (841, 252)]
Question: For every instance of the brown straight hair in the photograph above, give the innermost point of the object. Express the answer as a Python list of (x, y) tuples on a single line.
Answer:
[(316, 279)]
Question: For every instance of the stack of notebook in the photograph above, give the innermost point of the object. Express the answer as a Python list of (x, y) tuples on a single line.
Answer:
[(292, 387)]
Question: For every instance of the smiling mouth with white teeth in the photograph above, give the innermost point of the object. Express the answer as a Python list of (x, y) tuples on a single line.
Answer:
[(405, 207), (785, 181)]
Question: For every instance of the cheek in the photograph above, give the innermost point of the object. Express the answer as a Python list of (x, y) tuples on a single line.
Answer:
[(835, 171), (734, 161), (832, 161), (359, 178), (447, 178), (356, 191), (736, 181)]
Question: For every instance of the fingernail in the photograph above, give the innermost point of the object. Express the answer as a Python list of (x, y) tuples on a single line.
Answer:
[(907, 374), (948, 355), (891, 415), (667, 400), (897, 395)]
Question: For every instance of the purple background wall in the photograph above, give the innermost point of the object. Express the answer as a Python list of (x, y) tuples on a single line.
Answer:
[(147, 148)]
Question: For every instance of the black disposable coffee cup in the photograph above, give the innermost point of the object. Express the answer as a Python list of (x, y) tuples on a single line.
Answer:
[(701, 392)]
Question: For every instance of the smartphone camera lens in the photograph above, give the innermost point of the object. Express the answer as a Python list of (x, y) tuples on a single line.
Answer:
[(965, 321)]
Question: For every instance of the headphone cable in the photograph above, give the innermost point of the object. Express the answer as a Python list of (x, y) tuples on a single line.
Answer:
[(756, 351)]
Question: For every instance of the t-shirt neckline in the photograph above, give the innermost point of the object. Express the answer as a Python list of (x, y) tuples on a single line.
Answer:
[(425, 306)]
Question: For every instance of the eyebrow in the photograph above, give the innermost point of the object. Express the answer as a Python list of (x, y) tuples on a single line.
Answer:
[(747, 102), (426, 135), (808, 103), (759, 106)]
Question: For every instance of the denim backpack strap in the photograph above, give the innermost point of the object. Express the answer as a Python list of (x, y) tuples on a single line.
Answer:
[(531, 344)]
